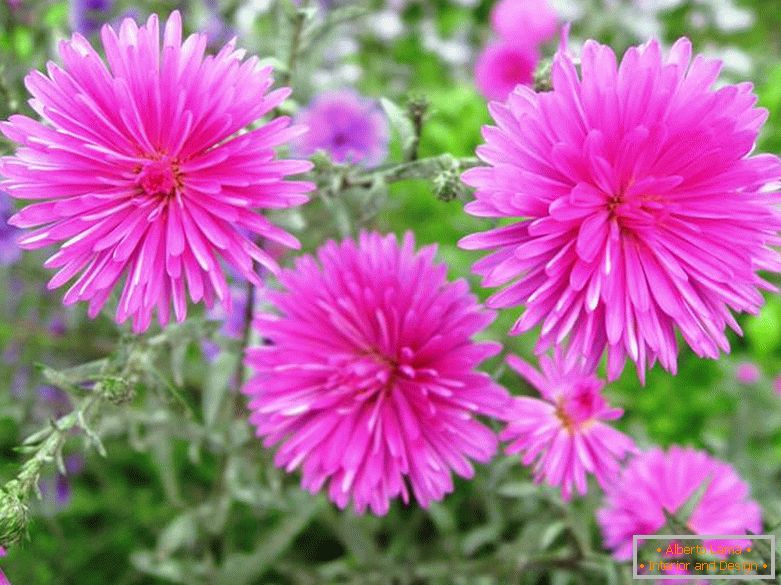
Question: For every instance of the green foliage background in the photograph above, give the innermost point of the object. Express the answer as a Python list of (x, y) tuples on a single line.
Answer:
[(186, 495)]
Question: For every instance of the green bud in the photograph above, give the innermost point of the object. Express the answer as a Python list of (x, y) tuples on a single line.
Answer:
[(542, 76), (417, 107), (14, 514), (447, 184), (117, 390)]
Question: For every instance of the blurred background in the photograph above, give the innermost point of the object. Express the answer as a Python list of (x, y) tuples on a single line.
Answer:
[(185, 494)]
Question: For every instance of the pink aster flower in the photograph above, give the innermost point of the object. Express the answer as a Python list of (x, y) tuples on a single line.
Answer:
[(3, 579), (349, 127), (502, 66), (642, 206), (656, 481), (529, 21), (369, 380), (564, 434), (747, 373), (141, 174)]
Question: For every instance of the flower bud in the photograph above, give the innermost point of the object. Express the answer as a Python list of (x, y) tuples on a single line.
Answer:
[(14, 515)]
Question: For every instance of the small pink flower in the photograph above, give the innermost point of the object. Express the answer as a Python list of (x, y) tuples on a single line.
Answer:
[(656, 481), (635, 206), (3, 579), (747, 373), (368, 382), (142, 175), (502, 66), (564, 434), (527, 21)]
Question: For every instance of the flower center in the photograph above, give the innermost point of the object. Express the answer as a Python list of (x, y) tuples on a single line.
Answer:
[(577, 409), (158, 178)]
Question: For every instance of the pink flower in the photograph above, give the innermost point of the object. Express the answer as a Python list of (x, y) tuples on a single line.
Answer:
[(656, 481), (504, 65), (564, 434), (528, 21), (642, 208), (369, 380), (141, 175), (777, 385), (3, 579), (747, 373)]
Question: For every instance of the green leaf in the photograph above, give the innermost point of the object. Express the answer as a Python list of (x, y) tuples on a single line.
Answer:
[(551, 533), (181, 532), (520, 489), (217, 385), (400, 123), (243, 569)]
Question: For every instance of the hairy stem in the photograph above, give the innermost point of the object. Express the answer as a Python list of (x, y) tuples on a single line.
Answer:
[(425, 168)]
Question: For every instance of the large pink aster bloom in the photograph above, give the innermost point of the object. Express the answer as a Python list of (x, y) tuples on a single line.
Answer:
[(564, 434), (141, 175), (369, 379), (656, 481), (641, 207)]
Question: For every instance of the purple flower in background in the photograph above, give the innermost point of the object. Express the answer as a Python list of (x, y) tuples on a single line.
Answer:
[(58, 326), (19, 382), (9, 251), (233, 322), (349, 127), (747, 373), (502, 66), (52, 403), (87, 16), (777, 385), (56, 491), (216, 29)]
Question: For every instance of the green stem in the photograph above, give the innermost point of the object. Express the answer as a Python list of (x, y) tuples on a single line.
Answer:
[(426, 169)]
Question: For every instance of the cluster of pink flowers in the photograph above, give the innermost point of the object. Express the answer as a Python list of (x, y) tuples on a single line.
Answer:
[(521, 27), (644, 214)]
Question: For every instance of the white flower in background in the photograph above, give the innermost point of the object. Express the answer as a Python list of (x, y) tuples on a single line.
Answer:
[(248, 12), (454, 51), (737, 63), (386, 24), (731, 18)]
